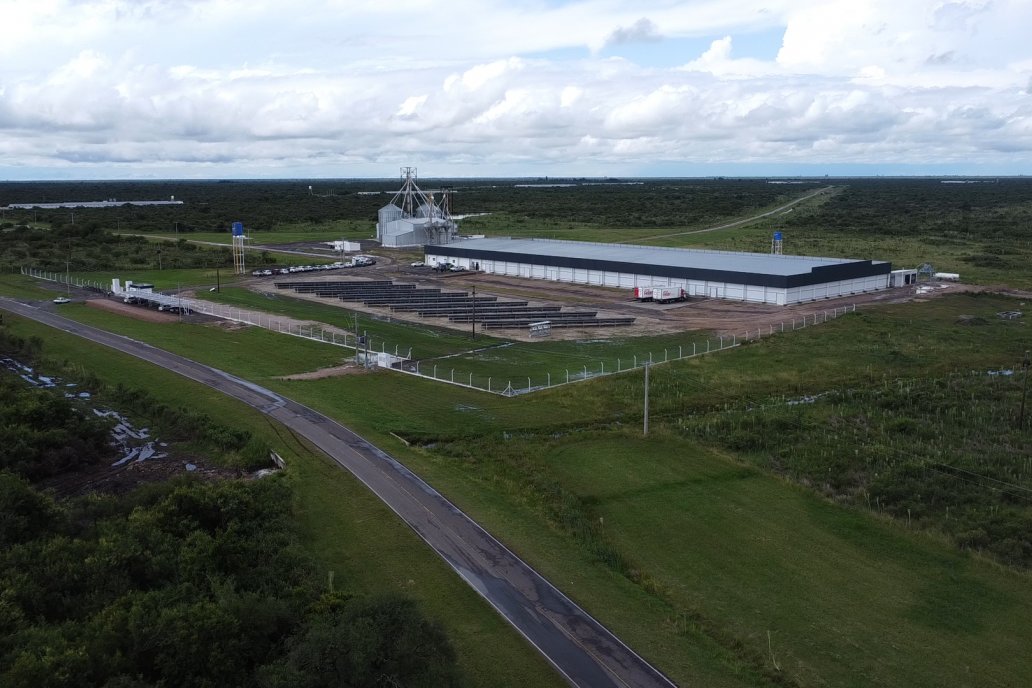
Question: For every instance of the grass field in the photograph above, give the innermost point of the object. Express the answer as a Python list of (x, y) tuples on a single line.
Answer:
[(347, 529), (423, 340), (22, 287), (486, 356), (690, 554), (846, 600)]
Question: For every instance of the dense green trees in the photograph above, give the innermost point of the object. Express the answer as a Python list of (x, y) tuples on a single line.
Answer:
[(43, 434), (189, 583), (182, 583), (89, 248)]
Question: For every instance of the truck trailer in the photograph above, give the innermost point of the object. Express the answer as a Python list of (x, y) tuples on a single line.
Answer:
[(660, 294), (668, 294)]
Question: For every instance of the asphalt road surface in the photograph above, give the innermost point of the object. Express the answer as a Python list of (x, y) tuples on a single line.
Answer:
[(582, 650)]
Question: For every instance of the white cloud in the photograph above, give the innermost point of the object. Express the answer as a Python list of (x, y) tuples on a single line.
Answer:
[(642, 31), (230, 87)]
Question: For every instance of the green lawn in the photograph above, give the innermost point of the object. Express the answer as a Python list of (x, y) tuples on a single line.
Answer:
[(425, 340), (22, 287), (847, 600), (486, 356)]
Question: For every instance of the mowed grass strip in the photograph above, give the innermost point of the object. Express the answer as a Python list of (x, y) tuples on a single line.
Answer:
[(846, 599), (22, 287), (423, 340), (503, 361), (249, 352), (345, 527)]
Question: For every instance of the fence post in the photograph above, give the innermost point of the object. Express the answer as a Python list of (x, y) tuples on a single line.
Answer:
[(680, 351), (453, 374), (435, 371), (693, 348), (665, 355), (528, 384), (618, 365), (567, 376), (603, 367), (488, 384), (471, 379), (585, 371), (549, 379), (635, 360)]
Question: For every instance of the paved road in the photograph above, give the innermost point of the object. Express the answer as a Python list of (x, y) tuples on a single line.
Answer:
[(583, 651)]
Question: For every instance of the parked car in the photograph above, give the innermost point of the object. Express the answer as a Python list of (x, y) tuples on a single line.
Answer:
[(418, 264), (62, 299)]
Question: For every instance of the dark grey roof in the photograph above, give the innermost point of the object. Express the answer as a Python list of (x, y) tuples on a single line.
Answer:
[(685, 258)]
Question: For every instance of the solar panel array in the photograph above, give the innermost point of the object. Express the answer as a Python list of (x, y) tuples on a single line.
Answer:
[(456, 306)]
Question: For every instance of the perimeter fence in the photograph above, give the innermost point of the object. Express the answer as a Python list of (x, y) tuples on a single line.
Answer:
[(65, 278), (442, 370)]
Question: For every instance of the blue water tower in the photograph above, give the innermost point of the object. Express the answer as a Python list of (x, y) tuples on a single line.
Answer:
[(777, 236), (238, 229)]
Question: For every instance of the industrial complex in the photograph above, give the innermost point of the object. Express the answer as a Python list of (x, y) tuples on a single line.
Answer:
[(415, 217), (753, 277)]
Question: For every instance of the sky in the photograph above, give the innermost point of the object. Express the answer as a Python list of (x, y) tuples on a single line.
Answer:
[(123, 89)]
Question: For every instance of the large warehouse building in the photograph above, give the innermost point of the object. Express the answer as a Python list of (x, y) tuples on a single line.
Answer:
[(757, 277)]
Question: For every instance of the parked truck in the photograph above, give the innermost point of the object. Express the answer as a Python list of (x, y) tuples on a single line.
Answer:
[(668, 294), (643, 293)]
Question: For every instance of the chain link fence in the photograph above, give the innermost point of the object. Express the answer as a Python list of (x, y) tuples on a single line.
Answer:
[(400, 359)]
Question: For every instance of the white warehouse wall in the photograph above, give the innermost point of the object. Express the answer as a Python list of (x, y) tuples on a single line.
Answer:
[(699, 288)]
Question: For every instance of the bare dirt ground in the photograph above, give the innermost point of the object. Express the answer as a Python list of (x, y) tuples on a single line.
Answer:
[(714, 315), (138, 312), (335, 371), (119, 480)]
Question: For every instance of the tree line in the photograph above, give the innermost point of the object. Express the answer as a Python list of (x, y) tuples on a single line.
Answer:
[(178, 583)]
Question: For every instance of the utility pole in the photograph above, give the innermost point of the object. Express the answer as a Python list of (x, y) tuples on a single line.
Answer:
[(645, 426), (474, 312), (358, 358), (1024, 389)]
